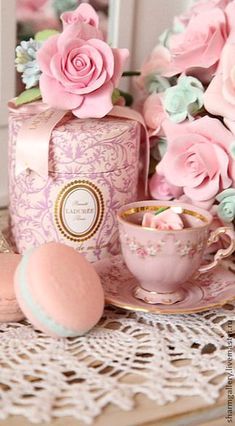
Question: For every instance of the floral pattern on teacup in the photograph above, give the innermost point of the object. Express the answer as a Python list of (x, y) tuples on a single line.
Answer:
[(152, 249), (189, 249)]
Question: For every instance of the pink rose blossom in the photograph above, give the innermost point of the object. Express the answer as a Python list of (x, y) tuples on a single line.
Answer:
[(219, 98), (80, 72), (165, 221), (160, 189), (207, 5), (27, 10), (200, 45), (199, 7), (206, 205), (157, 63), (83, 14), (154, 114), (197, 158)]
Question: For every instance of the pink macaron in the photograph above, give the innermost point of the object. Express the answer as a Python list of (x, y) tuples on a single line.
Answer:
[(9, 307), (58, 290)]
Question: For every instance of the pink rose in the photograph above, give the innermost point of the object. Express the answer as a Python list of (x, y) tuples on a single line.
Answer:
[(27, 10), (206, 205), (200, 45), (79, 72), (219, 98), (157, 63), (83, 14), (206, 5), (199, 7), (160, 189), (197, 158), (154, 114), (164, 221)]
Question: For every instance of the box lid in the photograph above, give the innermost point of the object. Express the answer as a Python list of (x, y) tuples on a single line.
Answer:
[(88, 145)]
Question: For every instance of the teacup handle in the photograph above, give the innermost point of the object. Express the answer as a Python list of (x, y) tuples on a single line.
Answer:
[(222, 253)]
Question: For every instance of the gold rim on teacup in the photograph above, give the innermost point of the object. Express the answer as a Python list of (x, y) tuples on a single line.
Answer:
[(163, 273), (123, 215)]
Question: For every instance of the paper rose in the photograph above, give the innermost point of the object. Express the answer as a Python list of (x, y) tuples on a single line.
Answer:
[(184, 99), (226, 208), (200, 45), (80, 72), (206, 5), (165, 221), (197, 158), (220, 95), (154, 114), (83, 14), (160, 189)]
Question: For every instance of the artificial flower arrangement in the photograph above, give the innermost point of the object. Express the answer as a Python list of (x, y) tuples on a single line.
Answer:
[(187, 88), (74, 70), (73, 157), (33, 16)]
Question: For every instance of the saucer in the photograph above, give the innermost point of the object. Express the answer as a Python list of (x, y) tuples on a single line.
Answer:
[(210, 290)]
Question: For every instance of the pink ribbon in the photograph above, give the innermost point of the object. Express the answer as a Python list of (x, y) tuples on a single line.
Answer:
[(32, 145)]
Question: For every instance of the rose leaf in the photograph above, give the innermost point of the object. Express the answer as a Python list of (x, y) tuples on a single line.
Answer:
[(29, 95)]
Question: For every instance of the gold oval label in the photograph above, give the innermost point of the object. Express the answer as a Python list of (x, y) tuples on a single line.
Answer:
[(79, 210)]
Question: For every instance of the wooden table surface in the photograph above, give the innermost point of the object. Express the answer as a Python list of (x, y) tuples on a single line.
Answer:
[(186, 411)]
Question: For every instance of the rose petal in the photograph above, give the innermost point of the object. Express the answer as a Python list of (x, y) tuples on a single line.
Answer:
[(84, 13), (77, 31), (223, 166), (120, 57), (207, 190), (107, 54), (55, 95), (46, 52), (96, 104)]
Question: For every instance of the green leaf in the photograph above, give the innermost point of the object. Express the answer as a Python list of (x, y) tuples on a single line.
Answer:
[(162, 209), (45, 34), (115, 96), (28, 95)]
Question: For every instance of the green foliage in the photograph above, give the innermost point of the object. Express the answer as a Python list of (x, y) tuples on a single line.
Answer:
[(29, 95)]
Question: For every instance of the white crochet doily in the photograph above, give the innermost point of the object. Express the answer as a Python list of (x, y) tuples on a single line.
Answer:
[(161, 356)]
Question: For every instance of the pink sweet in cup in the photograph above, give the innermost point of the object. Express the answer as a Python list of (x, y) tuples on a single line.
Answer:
[(163, 259)]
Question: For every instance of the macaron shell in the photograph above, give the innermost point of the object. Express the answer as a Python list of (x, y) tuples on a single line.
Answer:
[(39, 325), (9, 307), (64, 286)]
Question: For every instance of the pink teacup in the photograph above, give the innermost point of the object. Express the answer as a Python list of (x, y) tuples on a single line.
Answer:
[(162, 260)]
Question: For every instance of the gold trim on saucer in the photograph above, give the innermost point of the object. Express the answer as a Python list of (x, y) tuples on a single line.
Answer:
[(59, 205), (154, 310)]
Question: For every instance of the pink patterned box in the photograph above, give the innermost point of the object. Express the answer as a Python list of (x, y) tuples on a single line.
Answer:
[(93, 170)]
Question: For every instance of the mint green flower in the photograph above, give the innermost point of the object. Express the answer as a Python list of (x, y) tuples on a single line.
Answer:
[(226, 208), (61, 6), (155, 83), (185, 99), (26, 62)]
